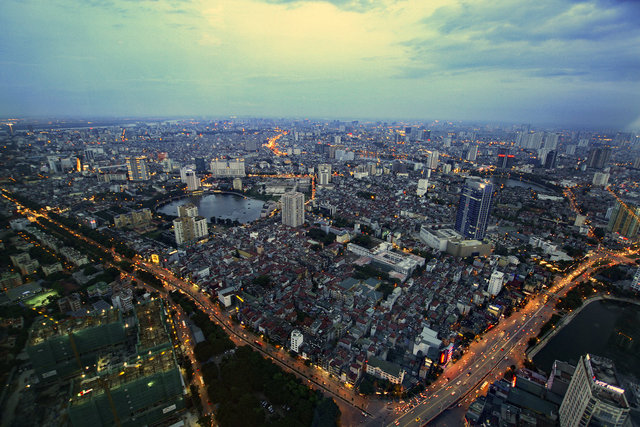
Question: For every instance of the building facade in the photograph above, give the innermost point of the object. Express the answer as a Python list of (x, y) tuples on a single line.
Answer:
[(474, 208), (292, 209), (594, 396)]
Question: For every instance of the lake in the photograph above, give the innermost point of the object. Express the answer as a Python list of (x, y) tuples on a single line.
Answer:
[(604, 328), (516, 183), (221, 205)]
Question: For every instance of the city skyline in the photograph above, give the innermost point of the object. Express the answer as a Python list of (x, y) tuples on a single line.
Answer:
[(561, 63)]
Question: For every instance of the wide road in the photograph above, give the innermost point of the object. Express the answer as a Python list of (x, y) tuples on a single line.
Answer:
[(501, 347)]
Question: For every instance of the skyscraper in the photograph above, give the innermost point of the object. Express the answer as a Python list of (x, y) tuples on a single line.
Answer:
[(137, 167), (624, 220), (505, 159), (473, 209), (594, 396), (292, 208), (599, 157)]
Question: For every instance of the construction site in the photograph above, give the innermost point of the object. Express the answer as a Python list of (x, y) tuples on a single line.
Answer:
[(121, 372)]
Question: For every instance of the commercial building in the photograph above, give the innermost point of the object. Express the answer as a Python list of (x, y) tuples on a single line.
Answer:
[(385, 370), (227, 168), (594, 396), (474, 208), (624, 220), (137, 168), (192, 180), (292, 204)]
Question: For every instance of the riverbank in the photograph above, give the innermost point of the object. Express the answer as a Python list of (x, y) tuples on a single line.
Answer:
[(531, 352)]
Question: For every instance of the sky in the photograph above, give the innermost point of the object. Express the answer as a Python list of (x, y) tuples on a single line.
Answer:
[(568, 63)]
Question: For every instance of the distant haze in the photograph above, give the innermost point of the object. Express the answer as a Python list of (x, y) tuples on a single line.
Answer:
[(564, 62)]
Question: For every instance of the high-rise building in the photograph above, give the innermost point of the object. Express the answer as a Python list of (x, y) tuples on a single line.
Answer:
[(551, 160), (599, 157), (495, 283), (473, 209), (189, 227), (193, 182), (201, 165), (594, 396), (324, 174), (137, 168), (187, 210), (624, 220), (505, 159), (292, 208), (472, 153), (432, 159)]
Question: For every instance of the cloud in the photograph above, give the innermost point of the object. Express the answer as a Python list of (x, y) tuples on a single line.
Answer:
[(550, 39)]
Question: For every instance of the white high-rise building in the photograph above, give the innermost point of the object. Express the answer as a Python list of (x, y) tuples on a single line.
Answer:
[(184, 170), (594, 396), (432, 159), (292, 204), (495, 283), (324, 174), (189, 227), (423, 185), (193, 182), (296, 340)]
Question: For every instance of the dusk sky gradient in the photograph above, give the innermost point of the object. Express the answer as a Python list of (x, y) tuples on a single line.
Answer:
[(548, 62)]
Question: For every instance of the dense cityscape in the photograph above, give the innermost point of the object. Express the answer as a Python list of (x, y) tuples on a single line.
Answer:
[(245, 271)]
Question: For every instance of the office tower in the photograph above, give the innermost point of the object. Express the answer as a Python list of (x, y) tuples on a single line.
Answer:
[(594, 396), (432, 159), (624, 220), (227, 169), (324, 174), (426, 135), (599, 157), (137, 168), (193, 182), (495, 283), (473, 209), (551, 160), (505, 159), (292, 204), (201, 165), (472, 153)]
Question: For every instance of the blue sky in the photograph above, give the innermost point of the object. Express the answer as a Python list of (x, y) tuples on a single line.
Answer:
[(573, 63)]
